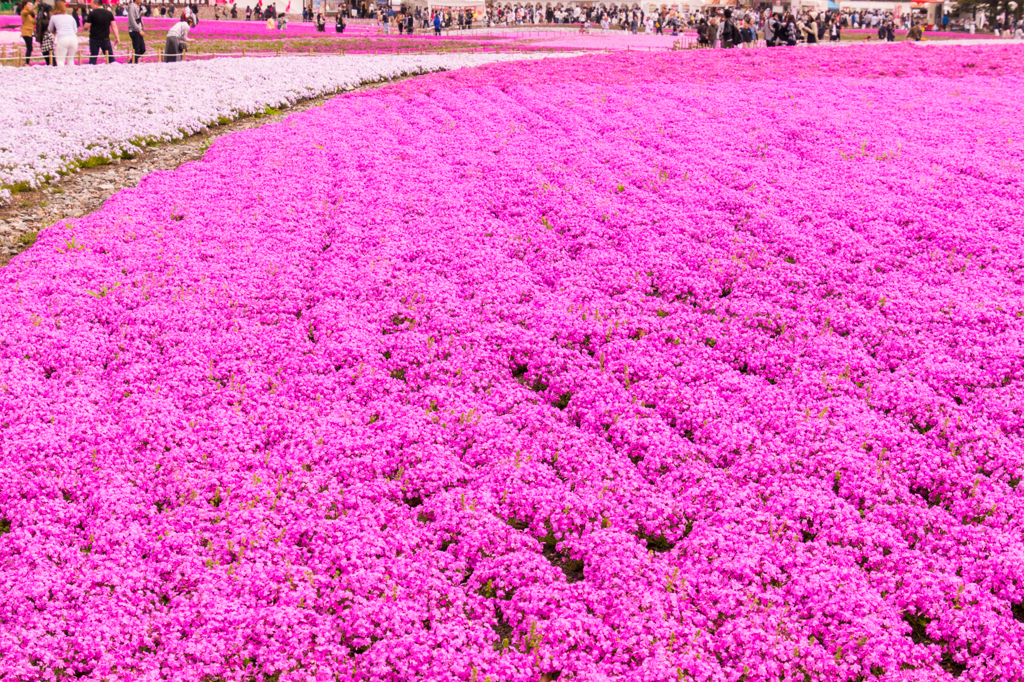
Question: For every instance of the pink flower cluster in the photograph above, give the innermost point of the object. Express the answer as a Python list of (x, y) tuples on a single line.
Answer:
[(615, 367)]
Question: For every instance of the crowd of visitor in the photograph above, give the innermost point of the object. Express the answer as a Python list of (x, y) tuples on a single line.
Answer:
[(55, 30), (741, 27), (775, 28)]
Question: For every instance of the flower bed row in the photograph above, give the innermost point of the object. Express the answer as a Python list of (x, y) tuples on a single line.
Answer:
[(614, 367), (48, 136)]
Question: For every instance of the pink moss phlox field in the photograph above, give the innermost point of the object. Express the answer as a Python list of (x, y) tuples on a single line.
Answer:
[(488, 376), (713, 66)]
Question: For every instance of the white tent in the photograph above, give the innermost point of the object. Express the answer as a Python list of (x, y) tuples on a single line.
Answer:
[(875, 4)]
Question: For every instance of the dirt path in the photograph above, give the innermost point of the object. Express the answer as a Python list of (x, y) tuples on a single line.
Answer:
[(87, 190)]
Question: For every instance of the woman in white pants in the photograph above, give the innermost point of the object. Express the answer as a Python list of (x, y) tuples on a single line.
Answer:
[(65, 44)]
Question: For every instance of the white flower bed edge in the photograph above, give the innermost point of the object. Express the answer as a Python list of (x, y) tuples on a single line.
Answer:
[(59, 120)]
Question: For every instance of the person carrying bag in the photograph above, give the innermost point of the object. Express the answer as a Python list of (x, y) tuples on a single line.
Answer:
[(43, 35)]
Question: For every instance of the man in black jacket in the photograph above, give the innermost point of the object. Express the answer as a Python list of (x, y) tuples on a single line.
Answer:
[(728, 34)]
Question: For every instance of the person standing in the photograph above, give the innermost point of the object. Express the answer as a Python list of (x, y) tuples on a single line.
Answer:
[(65, 29), (728, 34), (177, 39), (99, 22), (437, 24), (791, 31), (43, 35), (28, 27), (747, 33), (135, 31), (769, 32), (811, 31)]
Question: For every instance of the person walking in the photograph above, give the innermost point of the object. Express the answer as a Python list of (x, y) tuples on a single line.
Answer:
[(28, 27), (135, 31), (65, 30), (177, 39), (99, 22)]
